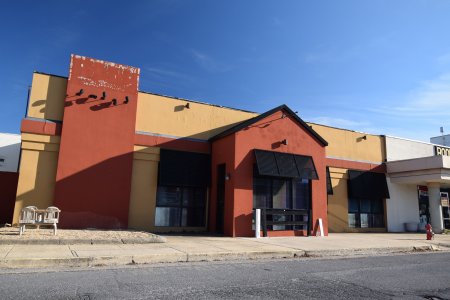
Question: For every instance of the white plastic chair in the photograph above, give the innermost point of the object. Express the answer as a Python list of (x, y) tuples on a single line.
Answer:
[(52, 217), (27, 217)]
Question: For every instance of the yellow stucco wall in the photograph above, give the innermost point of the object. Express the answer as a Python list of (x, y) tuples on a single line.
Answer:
[(155, 114), (143, 188), (163, 115), (351, 145), (47, 97), (338, 203), (348, 145), (37, 172)]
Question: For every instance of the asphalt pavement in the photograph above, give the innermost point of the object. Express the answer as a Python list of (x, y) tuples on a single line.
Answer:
[(410, 276)]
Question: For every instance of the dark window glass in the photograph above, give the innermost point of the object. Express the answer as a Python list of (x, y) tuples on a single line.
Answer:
[(365, 213), (377, 206), (377, 220), (353, 205), (188, 197), (261, 192), (365, 205), (280, 194), (192, 217), (301, 194), (180, 206), (168, 196)]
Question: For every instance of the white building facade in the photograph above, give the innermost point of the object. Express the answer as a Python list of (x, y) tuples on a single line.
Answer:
[(9, 152), (418, 176)]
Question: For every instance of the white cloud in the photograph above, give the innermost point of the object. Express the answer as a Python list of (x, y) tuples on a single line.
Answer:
[(434, 94), (444, 59), (333, 53), (161, 72), (430, 99), (339, 122), (208, 63)]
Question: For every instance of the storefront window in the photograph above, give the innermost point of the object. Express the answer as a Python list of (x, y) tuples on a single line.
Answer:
[(182, 188), (365, 213), (366, 194), (180, 206), (283, 193)]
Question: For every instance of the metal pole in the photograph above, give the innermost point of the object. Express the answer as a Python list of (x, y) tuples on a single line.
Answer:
[(321, 227), (258, 223)]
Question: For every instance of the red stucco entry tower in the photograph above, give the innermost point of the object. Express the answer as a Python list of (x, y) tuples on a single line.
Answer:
[(93, 180), (235, 148)]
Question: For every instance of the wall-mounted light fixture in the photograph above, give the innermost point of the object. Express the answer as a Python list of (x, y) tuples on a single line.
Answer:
[(187, 105), (361, 138), (126, 100), (284, 142), (80, 92), (227, 176), (114, 101), (92, 96), (103, 95)]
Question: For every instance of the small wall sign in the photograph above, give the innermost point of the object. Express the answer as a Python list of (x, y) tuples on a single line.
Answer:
[(438, 150), (444, 199)]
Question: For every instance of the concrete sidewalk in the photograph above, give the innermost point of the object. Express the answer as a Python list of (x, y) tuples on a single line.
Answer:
[(204, 248)]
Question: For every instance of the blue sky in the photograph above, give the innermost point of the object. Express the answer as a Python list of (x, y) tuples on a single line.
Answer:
[(376, 66)]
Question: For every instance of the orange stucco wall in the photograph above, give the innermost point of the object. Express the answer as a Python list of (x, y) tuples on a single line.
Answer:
[(266, 135), (223, 152), (93, 179)]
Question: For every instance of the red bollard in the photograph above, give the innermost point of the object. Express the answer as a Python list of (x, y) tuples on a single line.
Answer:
[(430, 233)]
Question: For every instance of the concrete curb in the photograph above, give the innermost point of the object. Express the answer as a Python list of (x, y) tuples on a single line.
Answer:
[(45, 262), (154, 239), (370, 252), (199, 257), (223, 256)]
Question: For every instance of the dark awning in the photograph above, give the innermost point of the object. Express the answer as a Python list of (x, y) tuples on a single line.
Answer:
[(278, 164), (367, 185), (179, 168)]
